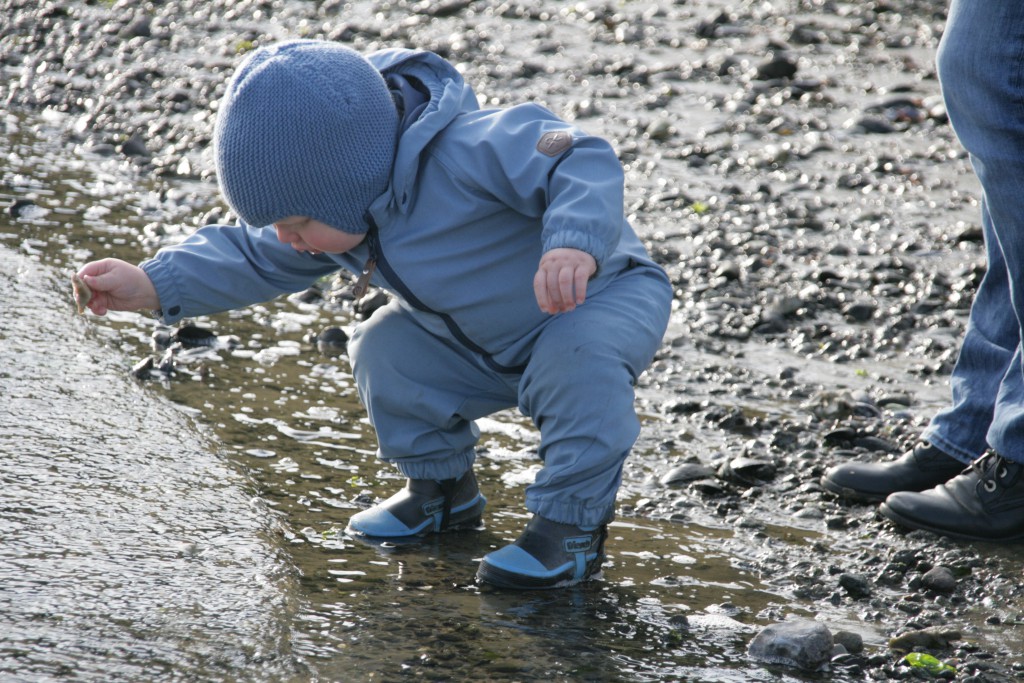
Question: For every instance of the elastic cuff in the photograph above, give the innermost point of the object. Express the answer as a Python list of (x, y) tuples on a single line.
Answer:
[(570, 511), (450, 467), (575, 239), (170, 300)]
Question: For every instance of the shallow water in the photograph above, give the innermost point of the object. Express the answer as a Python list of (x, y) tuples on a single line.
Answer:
[(192, 527), (131, 550)]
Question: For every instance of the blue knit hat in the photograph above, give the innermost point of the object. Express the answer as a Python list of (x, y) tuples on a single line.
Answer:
[(306, 128)]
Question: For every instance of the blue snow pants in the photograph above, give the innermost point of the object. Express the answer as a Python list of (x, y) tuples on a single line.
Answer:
[(423, 390)]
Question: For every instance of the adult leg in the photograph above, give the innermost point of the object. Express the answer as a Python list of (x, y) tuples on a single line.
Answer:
[(980, 81), (956, 435), (989, 345), (984, 90)]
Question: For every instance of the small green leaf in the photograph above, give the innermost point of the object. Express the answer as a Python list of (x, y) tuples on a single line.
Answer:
[(920, 660)]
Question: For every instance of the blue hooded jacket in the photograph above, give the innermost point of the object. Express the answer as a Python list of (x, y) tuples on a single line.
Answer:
[(476, 198)]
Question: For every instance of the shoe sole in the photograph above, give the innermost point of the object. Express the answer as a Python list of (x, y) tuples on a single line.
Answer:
[(897, 518), (852, 494)]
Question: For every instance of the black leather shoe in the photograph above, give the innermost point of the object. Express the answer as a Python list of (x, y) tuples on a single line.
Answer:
[(916, 470), (985, 503)]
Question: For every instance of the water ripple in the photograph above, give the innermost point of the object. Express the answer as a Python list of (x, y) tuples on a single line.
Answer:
[(130, 551)]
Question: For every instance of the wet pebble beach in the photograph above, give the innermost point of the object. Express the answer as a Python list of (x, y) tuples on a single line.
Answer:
[(789, 163)]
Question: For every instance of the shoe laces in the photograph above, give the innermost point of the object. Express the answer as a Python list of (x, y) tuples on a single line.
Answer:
[(991, 468)]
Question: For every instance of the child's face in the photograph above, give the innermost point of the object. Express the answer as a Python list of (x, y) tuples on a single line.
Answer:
[(306, 234)]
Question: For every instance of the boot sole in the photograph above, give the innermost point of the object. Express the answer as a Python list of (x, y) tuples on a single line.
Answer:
[(852, 494), (500, 578), (894, 516), (474, 524), (468, 517)]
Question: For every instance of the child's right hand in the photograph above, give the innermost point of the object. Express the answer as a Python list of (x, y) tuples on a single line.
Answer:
[(118, 286)]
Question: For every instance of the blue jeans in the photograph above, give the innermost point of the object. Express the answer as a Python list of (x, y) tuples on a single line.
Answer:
[(981, 70)]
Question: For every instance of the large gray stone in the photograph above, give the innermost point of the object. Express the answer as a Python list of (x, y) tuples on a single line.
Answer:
[(803, 644)]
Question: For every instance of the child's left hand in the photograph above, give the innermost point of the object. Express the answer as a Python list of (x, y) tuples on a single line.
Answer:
[(561, 280)]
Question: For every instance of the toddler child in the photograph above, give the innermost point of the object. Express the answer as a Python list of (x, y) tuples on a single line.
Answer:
[(501, 234)]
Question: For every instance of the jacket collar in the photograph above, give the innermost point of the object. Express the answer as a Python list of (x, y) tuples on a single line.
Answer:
[(450, 96)]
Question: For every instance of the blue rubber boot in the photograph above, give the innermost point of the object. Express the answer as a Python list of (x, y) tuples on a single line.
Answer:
[(423, 507), (547, 555)]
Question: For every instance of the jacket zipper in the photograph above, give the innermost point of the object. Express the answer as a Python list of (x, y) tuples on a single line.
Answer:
[(376, 261), (363, 282)]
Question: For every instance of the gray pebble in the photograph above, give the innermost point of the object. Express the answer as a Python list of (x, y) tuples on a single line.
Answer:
[(803, 644), (776, 67), (853, 642), (939, 579), (685, 473), (855, 585)]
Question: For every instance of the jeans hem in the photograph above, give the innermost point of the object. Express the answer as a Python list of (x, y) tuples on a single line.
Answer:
[(948, 447)]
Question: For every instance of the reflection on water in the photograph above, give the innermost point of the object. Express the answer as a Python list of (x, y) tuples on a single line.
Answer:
[(644, 621), (132, 551)]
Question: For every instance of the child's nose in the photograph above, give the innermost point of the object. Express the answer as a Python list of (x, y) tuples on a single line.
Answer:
[(285, 236)]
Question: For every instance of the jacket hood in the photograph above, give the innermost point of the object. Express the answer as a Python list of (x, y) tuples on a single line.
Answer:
[(450, 96)]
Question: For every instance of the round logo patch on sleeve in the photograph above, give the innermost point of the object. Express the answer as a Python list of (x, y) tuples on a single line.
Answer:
[(554, 142)]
